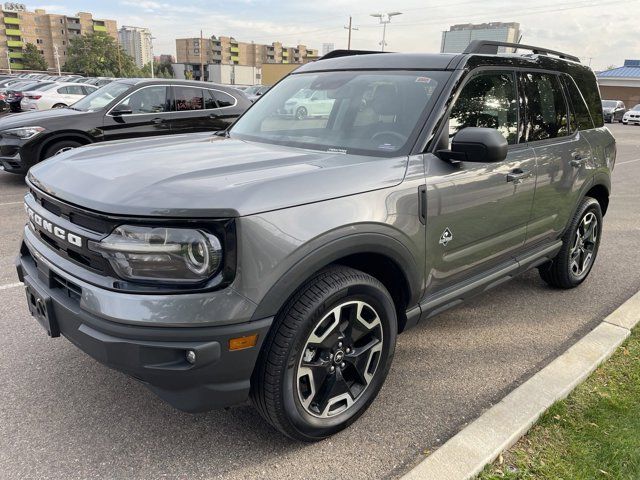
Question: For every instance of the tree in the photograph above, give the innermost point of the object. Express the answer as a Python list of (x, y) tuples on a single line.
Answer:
[(99, 55), (163, 70), (32, 59)]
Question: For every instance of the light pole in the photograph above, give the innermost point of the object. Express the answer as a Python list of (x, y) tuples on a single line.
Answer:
[(150, 39), (384, 19), (56, 55)]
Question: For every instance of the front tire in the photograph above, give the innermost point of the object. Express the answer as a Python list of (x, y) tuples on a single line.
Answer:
[(580, 243), (327, 355), (301, 113), (59, 147), (59, 105)]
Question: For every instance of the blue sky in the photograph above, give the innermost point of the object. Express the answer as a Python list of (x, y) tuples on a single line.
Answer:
[(603, 32)]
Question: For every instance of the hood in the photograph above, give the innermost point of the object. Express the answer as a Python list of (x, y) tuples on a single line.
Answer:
[(33, 119), (206, 176)]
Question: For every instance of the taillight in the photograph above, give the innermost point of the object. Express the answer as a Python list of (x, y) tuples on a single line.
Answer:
[(34, 97)]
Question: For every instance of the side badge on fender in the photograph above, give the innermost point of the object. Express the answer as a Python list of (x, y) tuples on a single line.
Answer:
[(446, 237)]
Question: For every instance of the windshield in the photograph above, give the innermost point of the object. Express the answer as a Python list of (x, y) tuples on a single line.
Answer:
[(101, 97), (636, 108), (609, 104), (357, 112)]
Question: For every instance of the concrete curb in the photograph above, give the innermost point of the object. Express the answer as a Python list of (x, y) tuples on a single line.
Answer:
[(480, 443)]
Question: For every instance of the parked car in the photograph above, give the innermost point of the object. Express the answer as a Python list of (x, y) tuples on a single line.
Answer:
[(127, 108), (614, 110), (255, 92), (100, 82), (16, 92), (56, 95), (279, 263), (308, 104), (632, 116)]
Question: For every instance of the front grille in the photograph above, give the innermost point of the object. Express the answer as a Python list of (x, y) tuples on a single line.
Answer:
[(89, 227), (70, 289)]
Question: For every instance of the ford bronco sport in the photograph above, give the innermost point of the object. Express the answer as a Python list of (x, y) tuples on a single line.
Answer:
[(279, 260)]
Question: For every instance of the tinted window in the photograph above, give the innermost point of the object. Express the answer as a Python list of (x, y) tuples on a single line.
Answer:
[(546, 107), (188, 98), (579, 117), (224, 99), (487, 100), (148, 100), (209, 100)]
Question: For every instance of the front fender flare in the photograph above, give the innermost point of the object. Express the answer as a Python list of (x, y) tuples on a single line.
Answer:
[(319, 254)]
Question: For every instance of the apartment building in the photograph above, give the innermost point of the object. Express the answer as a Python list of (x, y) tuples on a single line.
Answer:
[(459, 36), (137, 42), (229, 51), (47, 31)]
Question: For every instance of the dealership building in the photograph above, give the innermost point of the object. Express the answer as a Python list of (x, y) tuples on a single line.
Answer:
[(622, 83)]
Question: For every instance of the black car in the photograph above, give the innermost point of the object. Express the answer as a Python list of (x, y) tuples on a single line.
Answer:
[(122, 109), (613, 110)]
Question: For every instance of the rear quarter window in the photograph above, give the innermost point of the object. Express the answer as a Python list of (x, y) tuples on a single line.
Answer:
[(586, 82)]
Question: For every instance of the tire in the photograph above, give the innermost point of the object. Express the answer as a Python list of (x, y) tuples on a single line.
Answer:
[(301, 113), (59, 147), (562, 271), (323, 310), (59, 105)]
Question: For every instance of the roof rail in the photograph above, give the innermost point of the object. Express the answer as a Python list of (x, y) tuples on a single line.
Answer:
[(347, 53), (491, 47)]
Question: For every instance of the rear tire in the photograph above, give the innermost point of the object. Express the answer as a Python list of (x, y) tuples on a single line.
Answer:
[(59, 147), (301, 113), (326, 356), (59, 105), (580, 243)]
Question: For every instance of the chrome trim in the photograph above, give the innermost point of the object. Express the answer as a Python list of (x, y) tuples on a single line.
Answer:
[(235, 101)]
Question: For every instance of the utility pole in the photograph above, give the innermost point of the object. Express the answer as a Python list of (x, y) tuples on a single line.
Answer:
[(384, 19), (57, 57), (350, 28), (8, 61), (119, 62), (201, 59)]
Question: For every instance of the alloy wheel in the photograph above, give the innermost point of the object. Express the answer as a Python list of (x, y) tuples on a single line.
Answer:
[(339, 359), (581, 253)]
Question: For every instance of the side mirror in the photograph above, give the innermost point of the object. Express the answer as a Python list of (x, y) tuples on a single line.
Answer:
[(476, 144), (121, 110)]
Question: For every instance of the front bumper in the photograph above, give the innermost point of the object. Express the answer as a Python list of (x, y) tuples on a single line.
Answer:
[(15, 155), (155, 355)]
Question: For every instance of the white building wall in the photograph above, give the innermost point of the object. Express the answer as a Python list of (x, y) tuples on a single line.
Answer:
[(137, 42)]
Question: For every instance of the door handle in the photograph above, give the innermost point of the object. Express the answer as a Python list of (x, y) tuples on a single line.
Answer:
[(214, 115), (517, 175), (157, 121), (578, 160)]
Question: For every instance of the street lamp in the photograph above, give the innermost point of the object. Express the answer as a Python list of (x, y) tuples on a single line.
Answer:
[(384, 19), (150, 39)]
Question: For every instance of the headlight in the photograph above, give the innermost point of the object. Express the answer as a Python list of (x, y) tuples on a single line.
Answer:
[(153, 254), (23, 132)]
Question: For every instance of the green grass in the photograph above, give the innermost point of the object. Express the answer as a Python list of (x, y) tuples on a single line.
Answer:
[(593, 434)]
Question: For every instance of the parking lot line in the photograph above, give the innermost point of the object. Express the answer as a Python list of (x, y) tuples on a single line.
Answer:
[(628, 161), (10, 285), (10, 203)]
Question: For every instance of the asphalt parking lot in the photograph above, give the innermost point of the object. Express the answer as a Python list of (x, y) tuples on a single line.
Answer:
[(62, 415)]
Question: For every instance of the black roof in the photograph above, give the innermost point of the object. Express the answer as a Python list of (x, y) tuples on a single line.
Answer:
[(171, 81), (478, 53)]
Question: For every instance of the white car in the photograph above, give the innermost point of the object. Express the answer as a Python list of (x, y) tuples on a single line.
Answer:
[(632, 116), (57, 95), (307, 104)]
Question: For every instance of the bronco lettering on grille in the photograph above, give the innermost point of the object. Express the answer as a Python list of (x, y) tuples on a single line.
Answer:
[(53, 229)]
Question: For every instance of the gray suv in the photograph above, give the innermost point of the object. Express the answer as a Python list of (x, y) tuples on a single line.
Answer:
[(279, 260)]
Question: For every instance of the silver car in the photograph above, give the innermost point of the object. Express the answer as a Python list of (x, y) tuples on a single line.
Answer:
[(277, 261)]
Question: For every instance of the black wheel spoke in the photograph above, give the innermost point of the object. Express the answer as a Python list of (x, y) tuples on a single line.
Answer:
[(339, 359)]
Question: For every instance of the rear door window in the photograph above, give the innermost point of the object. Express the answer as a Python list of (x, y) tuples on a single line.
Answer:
[(488, 100), (546, 108), (188, 98)]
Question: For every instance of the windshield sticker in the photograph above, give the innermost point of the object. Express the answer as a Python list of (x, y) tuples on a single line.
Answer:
[(337, 150), (423, 80), (387, 146)]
